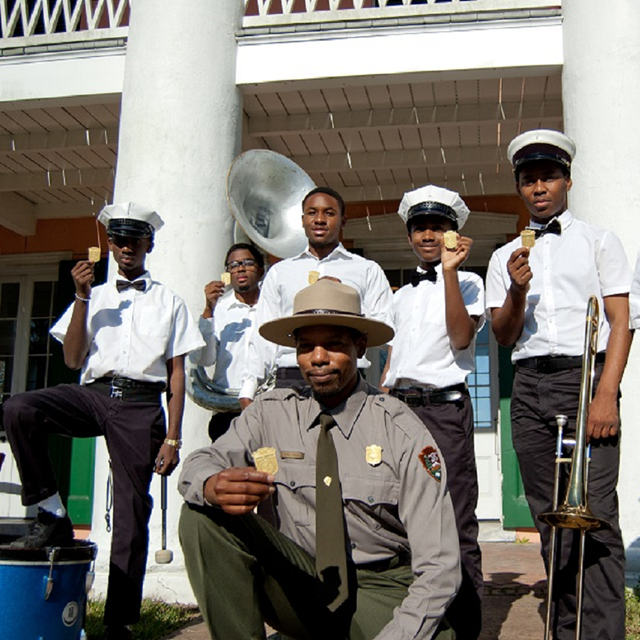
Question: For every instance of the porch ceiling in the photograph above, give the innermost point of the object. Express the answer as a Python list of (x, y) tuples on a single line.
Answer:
[(370, 142)]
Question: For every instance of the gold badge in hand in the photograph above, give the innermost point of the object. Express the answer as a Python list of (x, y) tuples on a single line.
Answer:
[(94, 254), (226, 278), (265, 460), (314, 276), (528, 238), (450, 239)]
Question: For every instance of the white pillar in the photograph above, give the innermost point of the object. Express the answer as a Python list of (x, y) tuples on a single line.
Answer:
[(180, 130), (601, 93)]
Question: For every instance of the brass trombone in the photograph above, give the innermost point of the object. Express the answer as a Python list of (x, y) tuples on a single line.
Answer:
[(574, 512)]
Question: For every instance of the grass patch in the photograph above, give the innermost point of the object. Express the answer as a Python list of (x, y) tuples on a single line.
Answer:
[(633, 615), (157, 619)]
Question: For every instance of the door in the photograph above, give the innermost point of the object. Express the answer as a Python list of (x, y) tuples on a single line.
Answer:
[(34, 291)]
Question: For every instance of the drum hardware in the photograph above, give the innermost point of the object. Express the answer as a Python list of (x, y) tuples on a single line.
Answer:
[(52, 554), (574, 512), (164, 555)]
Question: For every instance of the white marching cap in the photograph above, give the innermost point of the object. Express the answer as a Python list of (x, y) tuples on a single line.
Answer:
[(434, 201), (541, 144), (129, 218)]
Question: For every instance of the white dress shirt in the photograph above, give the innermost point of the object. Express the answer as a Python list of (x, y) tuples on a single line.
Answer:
[(284, 279), (422, 352), (133, 333), (634, 297), (567, 269), (227, 336)]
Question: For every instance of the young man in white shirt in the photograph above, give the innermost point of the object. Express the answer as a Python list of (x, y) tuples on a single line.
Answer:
[(538, 300), (323, 218), (437, 317), (226, 325), (129, 337)]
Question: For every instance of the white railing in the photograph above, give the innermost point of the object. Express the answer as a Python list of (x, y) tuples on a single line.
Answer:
[(29, 20), (286, 7), (32, 23)]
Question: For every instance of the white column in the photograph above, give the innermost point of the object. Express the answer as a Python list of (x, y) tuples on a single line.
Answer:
[(601, 93), (180, 130)]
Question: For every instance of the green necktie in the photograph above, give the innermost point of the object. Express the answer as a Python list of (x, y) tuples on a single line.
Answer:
[(331, 554)]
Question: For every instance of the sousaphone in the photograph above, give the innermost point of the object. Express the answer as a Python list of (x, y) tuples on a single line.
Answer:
[(265, 191)]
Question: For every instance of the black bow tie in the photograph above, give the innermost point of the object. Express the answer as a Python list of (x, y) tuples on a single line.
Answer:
[(552, 227), (123, 285), (418, 276)]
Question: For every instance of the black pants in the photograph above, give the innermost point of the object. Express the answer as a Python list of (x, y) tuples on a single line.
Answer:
[(537, 398), (134, 432), (451, 424), (220, 423)]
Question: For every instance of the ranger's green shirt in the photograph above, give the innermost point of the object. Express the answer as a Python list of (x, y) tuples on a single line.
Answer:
[(395, 506)]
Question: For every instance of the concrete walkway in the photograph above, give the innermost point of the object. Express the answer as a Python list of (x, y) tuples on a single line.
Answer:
[(513, 600)]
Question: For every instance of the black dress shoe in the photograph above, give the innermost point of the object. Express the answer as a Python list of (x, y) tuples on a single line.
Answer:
[(47, 530), (118, 632)]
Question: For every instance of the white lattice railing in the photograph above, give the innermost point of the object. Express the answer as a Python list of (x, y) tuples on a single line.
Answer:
[(42, 22), (287, 7), (32, 18)]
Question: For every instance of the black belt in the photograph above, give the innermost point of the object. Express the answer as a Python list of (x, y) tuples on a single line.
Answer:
[(419, 397), (552, 364), (127, 390)]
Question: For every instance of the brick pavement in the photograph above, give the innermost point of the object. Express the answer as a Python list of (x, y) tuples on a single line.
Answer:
[(514, 594)]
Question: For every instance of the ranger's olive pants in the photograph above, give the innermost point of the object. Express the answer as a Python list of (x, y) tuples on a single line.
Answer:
[(245, 573)]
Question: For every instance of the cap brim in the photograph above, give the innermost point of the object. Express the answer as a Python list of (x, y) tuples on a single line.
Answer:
[(281, 330), (129, 232), (431, 214)]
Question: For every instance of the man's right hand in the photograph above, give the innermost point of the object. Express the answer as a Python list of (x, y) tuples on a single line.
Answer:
[(212, 292), (83, 276), (519, 269), (244, 403), (238, 490)]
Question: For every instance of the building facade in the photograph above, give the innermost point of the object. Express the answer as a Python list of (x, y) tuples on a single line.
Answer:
[(151, 100)]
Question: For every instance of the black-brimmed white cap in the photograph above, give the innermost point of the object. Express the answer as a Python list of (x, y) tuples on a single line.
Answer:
[(541, 144), (433, 201)]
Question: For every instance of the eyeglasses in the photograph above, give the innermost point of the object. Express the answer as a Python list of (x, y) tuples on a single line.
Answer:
[(236, 264)]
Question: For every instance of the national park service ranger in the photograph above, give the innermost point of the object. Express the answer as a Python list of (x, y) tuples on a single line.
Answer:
[(363, 543)]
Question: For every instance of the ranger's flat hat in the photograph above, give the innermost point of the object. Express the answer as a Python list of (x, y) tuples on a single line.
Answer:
[(326, 302), (541, 144), (433, 201), (130, 219)]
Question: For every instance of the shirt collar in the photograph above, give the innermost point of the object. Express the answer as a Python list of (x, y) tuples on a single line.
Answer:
[(339, 250), (565, 219), (234, 302), (146, 276), (437, 268), (344, 414)]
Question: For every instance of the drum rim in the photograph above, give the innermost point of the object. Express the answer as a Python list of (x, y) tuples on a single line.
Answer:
[(81, 551)]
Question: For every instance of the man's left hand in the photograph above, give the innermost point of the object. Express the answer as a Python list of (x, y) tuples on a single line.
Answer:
[(603, 419), (453, 258), (167, 460)]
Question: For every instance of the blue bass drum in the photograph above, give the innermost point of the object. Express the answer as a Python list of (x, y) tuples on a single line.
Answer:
[(43, 592)]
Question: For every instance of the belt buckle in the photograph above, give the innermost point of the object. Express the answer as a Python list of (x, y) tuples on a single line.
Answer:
[(117, 393), (414, 399)]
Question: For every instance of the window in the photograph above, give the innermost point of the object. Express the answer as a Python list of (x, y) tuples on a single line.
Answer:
[(480, 382), (27, 291)]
